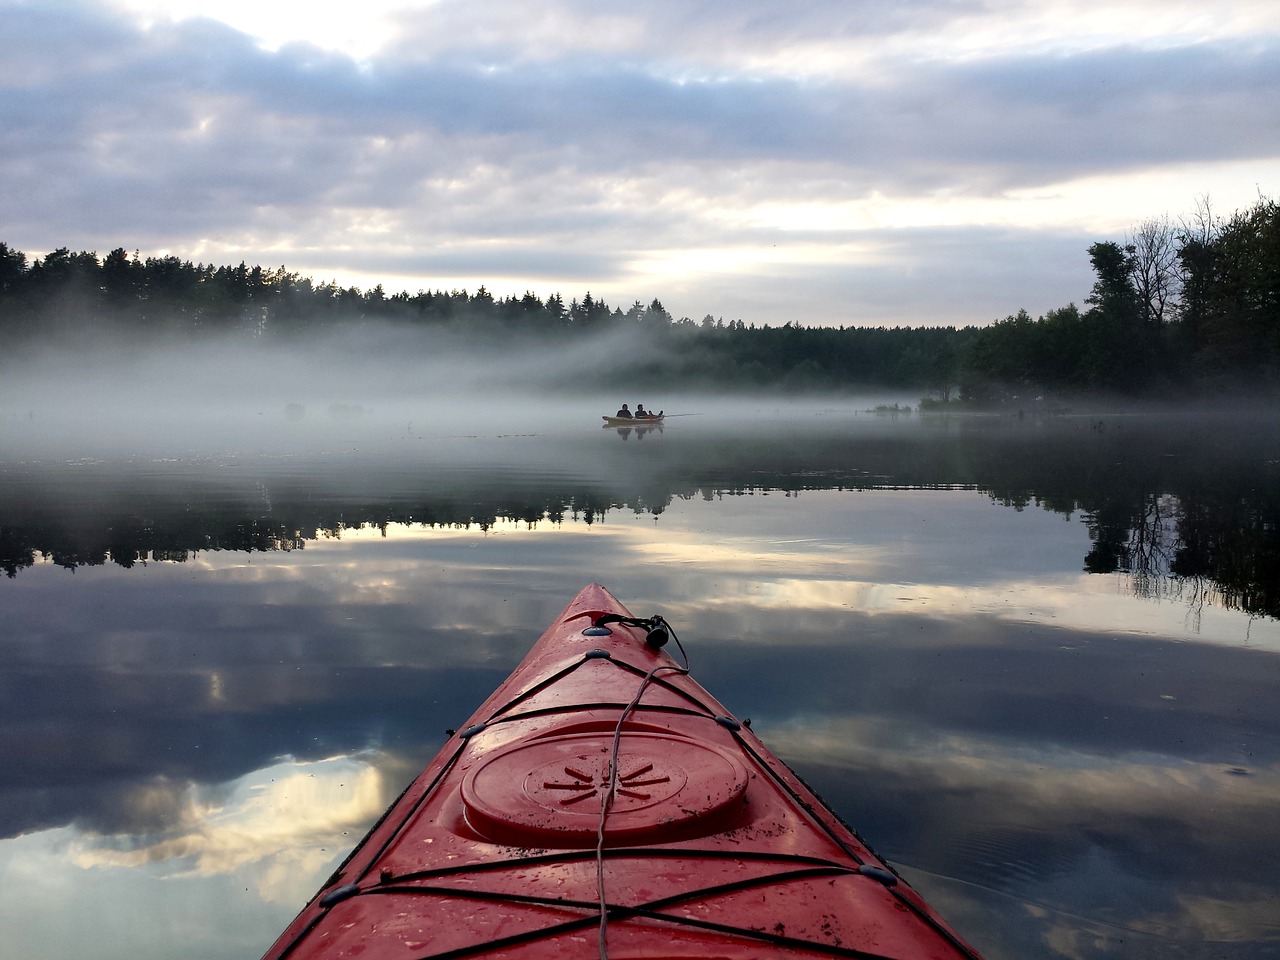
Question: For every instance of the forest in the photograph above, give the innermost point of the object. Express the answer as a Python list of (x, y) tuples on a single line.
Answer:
[(1187, 308)]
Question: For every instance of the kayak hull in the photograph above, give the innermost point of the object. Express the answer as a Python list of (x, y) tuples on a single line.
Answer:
[(632, 421), (601, 768)]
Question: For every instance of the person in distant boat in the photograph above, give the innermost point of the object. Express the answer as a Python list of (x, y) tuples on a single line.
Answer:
[(643, 414), (624, 413)]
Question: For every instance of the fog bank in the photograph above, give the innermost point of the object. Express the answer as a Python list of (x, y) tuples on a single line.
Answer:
[(363, 388)]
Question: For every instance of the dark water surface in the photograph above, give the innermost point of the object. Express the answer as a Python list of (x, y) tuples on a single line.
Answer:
[(1035, 662)]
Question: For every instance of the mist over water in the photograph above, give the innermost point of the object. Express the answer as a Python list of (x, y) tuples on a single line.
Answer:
[(260, 397), (376, 389)]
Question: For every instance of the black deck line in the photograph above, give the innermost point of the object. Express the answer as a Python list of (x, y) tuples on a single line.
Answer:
[(498, 715), (648, 911), (618, 853)]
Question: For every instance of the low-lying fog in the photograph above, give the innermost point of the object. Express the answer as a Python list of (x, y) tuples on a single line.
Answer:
[(362, 390)]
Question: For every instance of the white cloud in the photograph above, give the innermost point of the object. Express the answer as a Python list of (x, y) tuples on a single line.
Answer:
[(358, 30)]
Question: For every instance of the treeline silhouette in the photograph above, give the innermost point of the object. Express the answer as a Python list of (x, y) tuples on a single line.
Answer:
[(1192, 305)]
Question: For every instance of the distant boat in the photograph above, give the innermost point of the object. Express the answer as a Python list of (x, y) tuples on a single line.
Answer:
[(632, 421)]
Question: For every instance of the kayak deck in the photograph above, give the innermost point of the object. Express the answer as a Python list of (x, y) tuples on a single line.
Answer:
[(600, 772)]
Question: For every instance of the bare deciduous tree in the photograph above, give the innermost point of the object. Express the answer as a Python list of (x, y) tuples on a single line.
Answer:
[(1154, 248)]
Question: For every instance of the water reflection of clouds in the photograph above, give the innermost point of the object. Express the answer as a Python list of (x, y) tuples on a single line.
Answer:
[(216, 879), (978, 564), (1059, 830), (977, 705), (1082, 602), (282, 822), (1066, 779)]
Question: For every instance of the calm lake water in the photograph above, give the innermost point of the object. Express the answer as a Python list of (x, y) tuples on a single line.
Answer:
[(1035, 661)]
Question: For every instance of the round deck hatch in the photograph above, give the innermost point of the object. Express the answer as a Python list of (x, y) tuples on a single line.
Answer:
[(549, 793)]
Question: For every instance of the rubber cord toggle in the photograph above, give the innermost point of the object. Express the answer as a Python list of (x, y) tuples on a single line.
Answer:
[(658, 634), (657, 631), (338, 894), (878, 873)]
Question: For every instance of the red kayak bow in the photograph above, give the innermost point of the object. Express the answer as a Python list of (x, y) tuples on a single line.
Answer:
[(601, 803)]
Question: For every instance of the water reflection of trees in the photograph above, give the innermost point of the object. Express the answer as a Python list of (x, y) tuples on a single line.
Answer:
[(152, 524), (1195, 549), (1200, 529), (1188, 508), (1148, 547), (1188, 511)]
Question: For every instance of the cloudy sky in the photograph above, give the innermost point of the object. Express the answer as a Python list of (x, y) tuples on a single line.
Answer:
[(823, 161)]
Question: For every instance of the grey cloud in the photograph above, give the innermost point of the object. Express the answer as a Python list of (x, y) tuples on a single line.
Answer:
[(548, 265), (705, 32), (591, 100), (1112, 108), (290, 119)]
